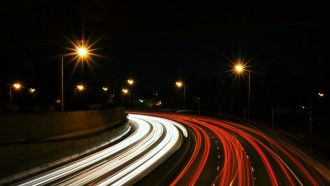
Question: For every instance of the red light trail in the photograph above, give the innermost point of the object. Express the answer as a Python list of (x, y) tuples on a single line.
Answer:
[(250, 155)]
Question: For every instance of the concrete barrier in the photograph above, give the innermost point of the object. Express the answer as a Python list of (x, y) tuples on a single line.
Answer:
[(30, 140), (39, 126), (63, 152)]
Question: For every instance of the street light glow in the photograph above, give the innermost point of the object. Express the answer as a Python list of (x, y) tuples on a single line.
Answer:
[(32, 90), (125, 90), (80, 87), (179, 84), (239, 68), (105, 89), (17, 86), (130, 81), (82, 51), (321, 94)]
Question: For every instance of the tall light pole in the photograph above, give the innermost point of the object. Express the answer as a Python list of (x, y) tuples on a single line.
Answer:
[(239, 69), (15, 86), (180, 84), (81, 53), (130, 83), (62, 88), (124, 91)]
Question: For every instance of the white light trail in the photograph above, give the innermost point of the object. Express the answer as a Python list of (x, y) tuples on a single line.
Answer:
[(154, 140)]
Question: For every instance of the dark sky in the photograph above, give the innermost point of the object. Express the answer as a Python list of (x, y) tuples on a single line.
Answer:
[(157, 42)]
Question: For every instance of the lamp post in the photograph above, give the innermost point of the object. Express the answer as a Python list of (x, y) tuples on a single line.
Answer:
[(15, 86), (105, 90), (82, 53), (77, 91), (130, 83), (180, 84), (239, 69), (79, 88), (125, 91)]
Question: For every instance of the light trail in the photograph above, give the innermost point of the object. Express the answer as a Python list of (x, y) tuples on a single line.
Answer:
[(251, 155), (153, 141)]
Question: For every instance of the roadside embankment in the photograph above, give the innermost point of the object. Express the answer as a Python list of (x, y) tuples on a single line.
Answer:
[(31, 140)]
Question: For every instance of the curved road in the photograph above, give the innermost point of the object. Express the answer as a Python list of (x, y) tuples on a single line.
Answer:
[(229, 153), (152, 141)]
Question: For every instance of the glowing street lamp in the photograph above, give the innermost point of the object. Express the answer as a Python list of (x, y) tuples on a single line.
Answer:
[(80, 87), (81, 52), (180, 84), (32, 90), (130, 81), (239, 68), (321, 94), (16, 86), (105, 89), (125, 91)]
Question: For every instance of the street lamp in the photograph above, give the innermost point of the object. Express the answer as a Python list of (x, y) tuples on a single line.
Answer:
[(32, 90), (130, 82), (321, 94), (16, 86), (81, 52), (180, 84), (239, 69), (105, 89), (79, 88), (125, 91)]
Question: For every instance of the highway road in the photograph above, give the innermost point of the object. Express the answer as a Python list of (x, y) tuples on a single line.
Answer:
[(183, 149), (151, 142), (236, 153)]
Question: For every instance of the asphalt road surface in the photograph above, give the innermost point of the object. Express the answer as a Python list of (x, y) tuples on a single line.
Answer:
[(237, 153), (183, 149), (151, 142)]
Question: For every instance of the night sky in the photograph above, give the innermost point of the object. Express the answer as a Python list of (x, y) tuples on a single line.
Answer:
[(158, 42)]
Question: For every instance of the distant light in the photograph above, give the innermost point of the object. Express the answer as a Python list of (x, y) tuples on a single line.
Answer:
[(321, 94), (58, 101), (179, 84), (158, 103), (130, 81), (105, 89), (80, 87), (302, 106), (125, 90), (141, 100), (32, 90), (17, 86)]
